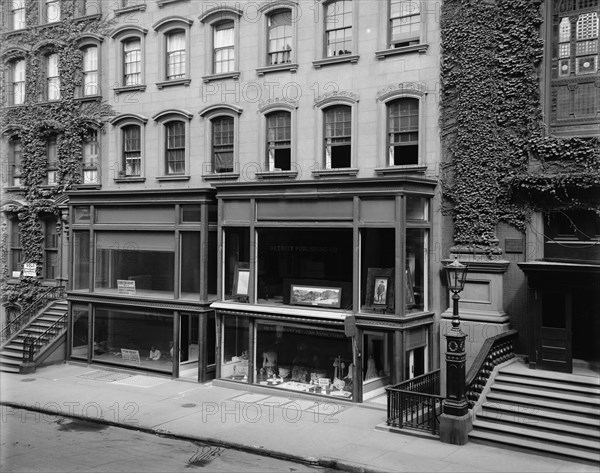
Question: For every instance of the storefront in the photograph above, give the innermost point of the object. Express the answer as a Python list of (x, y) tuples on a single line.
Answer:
[(143, 277), (325, 286)]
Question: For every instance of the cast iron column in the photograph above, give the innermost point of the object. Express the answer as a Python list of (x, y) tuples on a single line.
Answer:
[(455, 403)]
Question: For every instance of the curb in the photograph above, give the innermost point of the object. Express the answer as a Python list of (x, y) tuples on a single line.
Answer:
[(326, 462)]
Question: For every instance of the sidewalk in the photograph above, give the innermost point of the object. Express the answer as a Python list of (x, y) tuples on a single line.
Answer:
[(337, 435)]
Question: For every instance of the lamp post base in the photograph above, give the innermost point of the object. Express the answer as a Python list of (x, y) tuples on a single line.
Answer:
[(455, 429)]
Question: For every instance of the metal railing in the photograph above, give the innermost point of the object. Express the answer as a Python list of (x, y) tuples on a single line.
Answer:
[(416, 403), (16, 324), (494, 351), (35, 346)]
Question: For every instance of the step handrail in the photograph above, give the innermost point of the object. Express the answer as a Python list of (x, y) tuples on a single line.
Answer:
[(15, 325), (41, 341), (495, 350)]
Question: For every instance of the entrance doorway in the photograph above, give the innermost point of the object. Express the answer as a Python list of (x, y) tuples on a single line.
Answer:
[(189, 345)]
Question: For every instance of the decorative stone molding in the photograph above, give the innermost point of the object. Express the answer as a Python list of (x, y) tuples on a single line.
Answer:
[(401, 89), (343, 95)]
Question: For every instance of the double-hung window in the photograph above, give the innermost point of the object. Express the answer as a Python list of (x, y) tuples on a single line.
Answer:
[(52, 77), (279, 140), (90, 71), (50, 248), (338, 28), (52, 11), (224, 47), (279, 48), (175, 147), (16, 14), (403, 131), (16, 82), (405, 23), (52, 159), (15, 152), (15, 246), (132, 150), (176, 55), (132, 62), (338, 136), (222, 143), (90, 157)]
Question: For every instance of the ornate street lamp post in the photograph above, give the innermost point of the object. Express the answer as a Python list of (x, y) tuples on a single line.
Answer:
[(455, 420)]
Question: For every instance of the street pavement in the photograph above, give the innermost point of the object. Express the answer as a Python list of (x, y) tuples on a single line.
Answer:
[(274, 423)]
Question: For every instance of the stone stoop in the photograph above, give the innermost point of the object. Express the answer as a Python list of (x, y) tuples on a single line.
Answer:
[(541, 412), (11, 355)]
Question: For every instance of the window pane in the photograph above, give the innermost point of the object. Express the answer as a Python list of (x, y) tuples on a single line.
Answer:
[(132, 58), (176, 55), (79, 330), (190, 264), (236, 339), (137, 332)]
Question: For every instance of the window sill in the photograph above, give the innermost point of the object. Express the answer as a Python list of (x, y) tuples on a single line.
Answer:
[(14, 188), (227, 75), (291, 67), (173, 83), (179, 177), (415, 48), (87, 186), (330, 61), (277, 175), (95, 16), (162, 3), (129, 88), (218, 176), (404, 169), (335, 172), (129, 179), (89, 98), (132, 8)]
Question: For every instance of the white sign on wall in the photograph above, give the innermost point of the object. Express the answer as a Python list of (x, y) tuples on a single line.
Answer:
[(29, 270)]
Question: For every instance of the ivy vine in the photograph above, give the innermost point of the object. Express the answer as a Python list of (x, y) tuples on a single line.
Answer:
[(491, 123), (34, 121)]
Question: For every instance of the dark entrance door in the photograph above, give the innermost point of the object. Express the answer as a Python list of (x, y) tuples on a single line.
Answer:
[(554, 350)]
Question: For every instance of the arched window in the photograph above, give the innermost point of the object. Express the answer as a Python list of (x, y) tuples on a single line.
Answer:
[(52, 159), (52, 91), (403, 131), (132, 61), (50, 248), (176, 55), (90, 157), (279, 41), (338, 136), (90, 71), (223, 47), (16, 82), (15, 152)]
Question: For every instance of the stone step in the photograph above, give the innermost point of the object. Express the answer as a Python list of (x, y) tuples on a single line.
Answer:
[(534, 391), (9, 368), (589, 409), (532, 432), (531, 444), (513, 413), (545, 383), (518, 369), (535, 422)]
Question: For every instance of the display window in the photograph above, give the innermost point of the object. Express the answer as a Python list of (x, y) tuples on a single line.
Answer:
[(135, 263), (416, 269), (377, 258), (134, 339), (235, 337), (81, 260), (304, 359), (79, 332), (190, 265), (305, 267), (236, 264)]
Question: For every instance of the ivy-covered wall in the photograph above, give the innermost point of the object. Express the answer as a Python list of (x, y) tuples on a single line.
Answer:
[(69, 118), (499, 165)]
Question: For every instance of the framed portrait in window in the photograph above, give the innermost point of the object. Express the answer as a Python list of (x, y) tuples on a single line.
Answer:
[(241, 281), (380, 289)]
